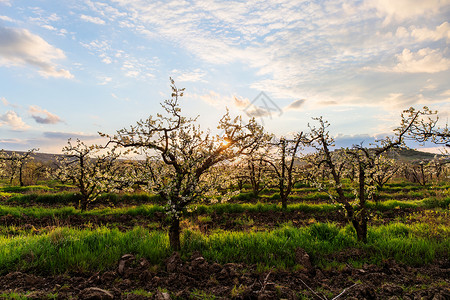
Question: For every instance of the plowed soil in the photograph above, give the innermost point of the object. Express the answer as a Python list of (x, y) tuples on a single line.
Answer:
[(198, 278)]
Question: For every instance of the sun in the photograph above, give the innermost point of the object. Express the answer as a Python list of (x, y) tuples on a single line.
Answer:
[(225, 142)]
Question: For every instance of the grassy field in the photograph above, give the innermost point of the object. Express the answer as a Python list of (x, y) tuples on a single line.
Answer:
[(43, 235)]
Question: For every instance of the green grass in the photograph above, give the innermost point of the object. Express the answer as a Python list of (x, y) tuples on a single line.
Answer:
[(40, 212), (29, 188), (247, 196), (428, 203), (64, 249), (149, 209), (13, 296), (434, 202), (67, 249)]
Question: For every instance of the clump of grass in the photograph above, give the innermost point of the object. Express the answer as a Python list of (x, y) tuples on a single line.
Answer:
[(436, 202), (243, 197), (316, 196), (140, 292), (66, 249), (392, 204)]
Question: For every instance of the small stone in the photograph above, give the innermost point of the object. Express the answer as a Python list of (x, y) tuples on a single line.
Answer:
[(143, 262), (302, 258), (127, 257), (163, 296), (123, 260), (198, 261), (173, 262)]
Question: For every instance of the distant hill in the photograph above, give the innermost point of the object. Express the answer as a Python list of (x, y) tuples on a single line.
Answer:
[(411, 155), (408, 155), (38, 156)]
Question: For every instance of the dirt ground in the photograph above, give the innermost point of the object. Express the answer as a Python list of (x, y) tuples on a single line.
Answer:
[(198, 278)]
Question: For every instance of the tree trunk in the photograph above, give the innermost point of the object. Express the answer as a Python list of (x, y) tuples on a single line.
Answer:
[(240, 185), (255, 189), (361, 226), (174, 234), (284, 202), (20, 177), (83, 203), (361, 230)]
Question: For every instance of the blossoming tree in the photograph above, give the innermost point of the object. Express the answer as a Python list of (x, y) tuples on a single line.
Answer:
[(91, 168), (187, 152)]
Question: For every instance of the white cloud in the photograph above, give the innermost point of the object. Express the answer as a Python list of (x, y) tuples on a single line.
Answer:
[(196, 75), (295, 105), (402, 101), (212, 98), (13, 141), (137, 68), (53, 17), (91, 19), (404, 9), (132, 66), (424, 34), (49, 27), (40, 17), (105, 80), (6, 19), (119, 98), (425, 60), (20, 47), (13, 120), (327, 102), (4, 101), (7, 103), (291, 49), (105, 10), (61, 32), (242, 104), (42, 116)]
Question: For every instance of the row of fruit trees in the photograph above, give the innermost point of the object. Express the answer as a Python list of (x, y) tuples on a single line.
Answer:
[(184, 164)]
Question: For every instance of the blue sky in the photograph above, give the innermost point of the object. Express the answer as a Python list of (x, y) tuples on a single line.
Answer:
[(73, 68)]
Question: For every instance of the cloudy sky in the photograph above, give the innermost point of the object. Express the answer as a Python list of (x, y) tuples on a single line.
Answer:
[(75, 67)]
